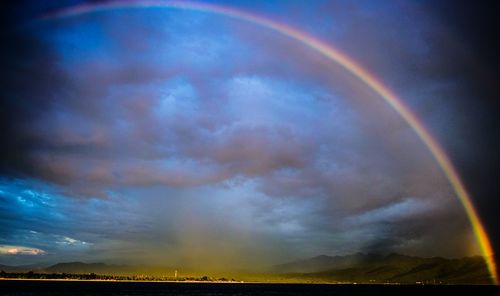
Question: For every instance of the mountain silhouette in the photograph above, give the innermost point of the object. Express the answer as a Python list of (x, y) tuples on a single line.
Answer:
[(392, 268)]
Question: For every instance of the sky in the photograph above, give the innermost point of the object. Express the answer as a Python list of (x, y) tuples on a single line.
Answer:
[(177, 137)]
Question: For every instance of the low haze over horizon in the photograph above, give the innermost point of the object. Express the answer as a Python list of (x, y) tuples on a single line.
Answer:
[(179, 137)]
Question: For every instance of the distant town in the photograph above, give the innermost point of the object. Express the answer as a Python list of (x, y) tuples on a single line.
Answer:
[(103, 277)]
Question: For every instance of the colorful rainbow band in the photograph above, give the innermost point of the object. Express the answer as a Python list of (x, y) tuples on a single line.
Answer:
[(338, 57)]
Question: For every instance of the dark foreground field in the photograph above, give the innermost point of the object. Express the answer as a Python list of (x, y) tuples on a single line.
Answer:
[(34, 287)]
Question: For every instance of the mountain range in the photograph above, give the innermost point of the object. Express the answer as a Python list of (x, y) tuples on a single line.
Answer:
[(359, 268), (392, 268)]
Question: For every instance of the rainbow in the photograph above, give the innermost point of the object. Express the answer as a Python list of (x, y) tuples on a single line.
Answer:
[(348, 64)]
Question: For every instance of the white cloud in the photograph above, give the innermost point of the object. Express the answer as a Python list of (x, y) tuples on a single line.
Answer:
[(393, 212), (20, 250)]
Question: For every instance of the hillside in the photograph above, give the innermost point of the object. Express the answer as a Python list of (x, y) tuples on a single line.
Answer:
[(395, 268)]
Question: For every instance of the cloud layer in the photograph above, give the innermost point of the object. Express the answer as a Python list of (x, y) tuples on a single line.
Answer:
[(143, 142)]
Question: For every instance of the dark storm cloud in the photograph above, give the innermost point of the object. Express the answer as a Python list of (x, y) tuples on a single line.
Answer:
[(30, 72), (471, 59), (25, 61)]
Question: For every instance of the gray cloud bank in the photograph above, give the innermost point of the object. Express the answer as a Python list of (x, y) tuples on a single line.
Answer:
[(183, 138)]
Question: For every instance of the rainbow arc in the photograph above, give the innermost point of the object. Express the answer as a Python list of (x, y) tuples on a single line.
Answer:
[(349, 65)]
